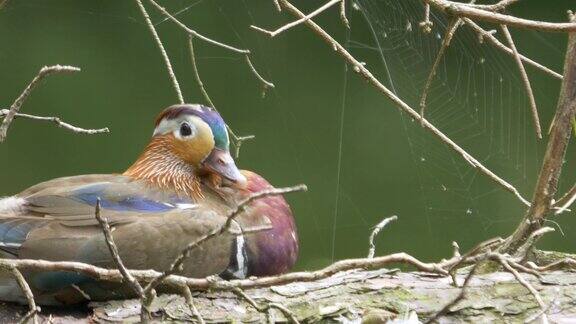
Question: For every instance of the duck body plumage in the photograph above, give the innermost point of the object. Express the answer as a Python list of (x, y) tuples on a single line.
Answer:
[(55, 221)]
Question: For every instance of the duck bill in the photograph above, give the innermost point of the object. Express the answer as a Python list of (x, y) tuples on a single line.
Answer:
[(222, 163)]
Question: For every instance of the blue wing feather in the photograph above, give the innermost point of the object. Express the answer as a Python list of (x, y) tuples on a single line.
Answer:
[(90, 194)]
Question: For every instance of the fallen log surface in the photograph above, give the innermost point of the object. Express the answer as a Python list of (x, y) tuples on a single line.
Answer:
[(370, 296)]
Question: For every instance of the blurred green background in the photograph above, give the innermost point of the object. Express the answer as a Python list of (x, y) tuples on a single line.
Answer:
[(322, 125)]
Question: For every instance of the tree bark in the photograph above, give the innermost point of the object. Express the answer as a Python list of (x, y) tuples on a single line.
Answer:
[(371, 296), (560, 133)]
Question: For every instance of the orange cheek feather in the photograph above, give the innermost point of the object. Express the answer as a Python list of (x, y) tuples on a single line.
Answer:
[(195, 150)]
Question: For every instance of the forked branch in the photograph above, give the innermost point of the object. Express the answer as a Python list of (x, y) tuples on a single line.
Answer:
[(167, 62), (297, 22), (560, 134), (459, 9), (484, 34), (59, 122), (450, 30), (399, 103), (199, 36), (525, 80), (15, 107)]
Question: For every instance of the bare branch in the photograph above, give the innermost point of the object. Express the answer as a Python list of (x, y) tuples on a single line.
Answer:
[(197, 74), (566, 201), (134, 284), (560, 134), (450, 30), (190, 300), (343, 14), (560, 264), (162, 51), (58, 122), (298, 21), (465, 10), (475, 254), (29, 296), (113, 275), (458, 298), (525, 80), (15, 107), (375, 232), (500, 6), (195, 33), (489, 36), (364, 72), (456, 249), (266, 84), (237, 140), (426, 24), (267, 306), (277, 5), (521, 280)]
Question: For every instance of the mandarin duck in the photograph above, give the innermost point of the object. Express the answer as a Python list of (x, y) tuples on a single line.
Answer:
[(181, 187)]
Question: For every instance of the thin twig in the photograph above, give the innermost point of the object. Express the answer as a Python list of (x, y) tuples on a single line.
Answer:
[(132, 282), (566, 201), (426, 24), (525, 80), (450, 30), (343, 14), (553, 162), (364, 72), (488, 35), (540, 314), (499, 258), (458, 298), (465, 10), (500, 6), (375, 231), (266, 84), (197, 74), (456, 249), (162, 51), (28, 294), (237, 140), (190, 301), (523, 250), (15, 107), (277, 5), (195, 33), (267, 306), (58, 122), (474, 255), (560, 264), (298, 21)]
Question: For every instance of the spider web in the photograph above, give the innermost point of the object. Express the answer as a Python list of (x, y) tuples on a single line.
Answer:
[(476, 98)]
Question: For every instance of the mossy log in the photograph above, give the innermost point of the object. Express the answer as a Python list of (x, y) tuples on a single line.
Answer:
[(358, 296)]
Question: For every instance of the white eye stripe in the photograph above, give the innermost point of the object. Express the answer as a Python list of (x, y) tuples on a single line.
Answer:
[(174, 125)]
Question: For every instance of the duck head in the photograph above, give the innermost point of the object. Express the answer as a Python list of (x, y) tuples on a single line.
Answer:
[(188, 141)]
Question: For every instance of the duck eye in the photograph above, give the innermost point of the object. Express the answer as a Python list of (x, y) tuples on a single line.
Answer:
[(185, 130)]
